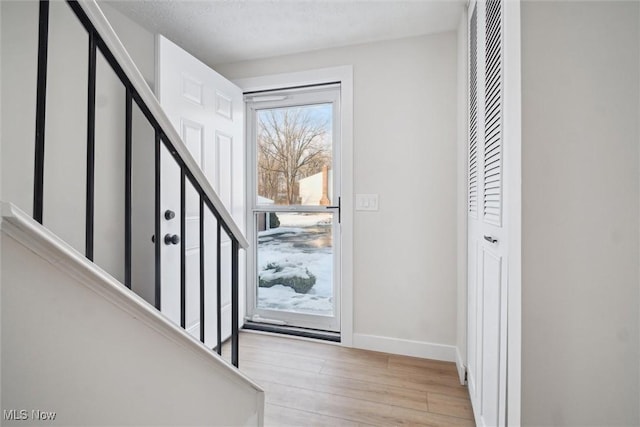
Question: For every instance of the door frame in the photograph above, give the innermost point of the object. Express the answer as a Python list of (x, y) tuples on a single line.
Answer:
[(292, 98), (512, 131), (344, 76)]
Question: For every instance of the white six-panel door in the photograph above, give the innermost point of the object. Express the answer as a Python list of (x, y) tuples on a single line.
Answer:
[(207, 111), (487, 233)]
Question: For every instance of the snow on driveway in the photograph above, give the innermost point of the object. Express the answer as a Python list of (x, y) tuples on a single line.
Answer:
[(302, 242)]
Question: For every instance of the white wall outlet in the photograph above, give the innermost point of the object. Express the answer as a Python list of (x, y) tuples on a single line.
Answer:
[(366, 202)]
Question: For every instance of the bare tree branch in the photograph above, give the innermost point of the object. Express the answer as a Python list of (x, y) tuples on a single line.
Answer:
[(291, 146)]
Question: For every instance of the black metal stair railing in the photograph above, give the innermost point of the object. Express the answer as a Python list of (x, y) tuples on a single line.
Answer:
[(97, 43)]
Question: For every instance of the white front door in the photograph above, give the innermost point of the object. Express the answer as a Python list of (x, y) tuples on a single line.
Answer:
[(487, 230), (207, 111)]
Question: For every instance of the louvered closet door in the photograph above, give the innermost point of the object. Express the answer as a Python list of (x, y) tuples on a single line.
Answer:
[(492, 194), (487, 236)]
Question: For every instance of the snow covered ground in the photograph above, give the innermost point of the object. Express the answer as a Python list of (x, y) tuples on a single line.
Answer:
[(302, 243)]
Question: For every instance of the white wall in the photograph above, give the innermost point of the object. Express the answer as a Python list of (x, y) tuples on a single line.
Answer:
[(139, 42), (141, 46), (65, 148), (580, 204), (19, 64), (311, 189), (66, 126), (405, 269)]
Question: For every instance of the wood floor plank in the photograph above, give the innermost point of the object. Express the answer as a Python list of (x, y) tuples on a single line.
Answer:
[(408, 374), (448, 405), (339, 386), (423, 418), (355, 410), (275, 415), (321, 383), (323, 350), (406, 398), (385, 378), (314, 383), (279, 358), (396, 360), (294, 346), (442, 370)]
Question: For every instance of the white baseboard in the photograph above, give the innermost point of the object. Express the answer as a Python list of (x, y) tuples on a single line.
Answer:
[(422, 349), (460, 366)]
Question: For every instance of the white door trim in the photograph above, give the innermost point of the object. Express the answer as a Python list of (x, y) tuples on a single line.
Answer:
[(513, 188), (344, 75)]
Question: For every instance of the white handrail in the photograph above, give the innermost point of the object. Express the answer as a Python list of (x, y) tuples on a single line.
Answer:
[(110, 38)]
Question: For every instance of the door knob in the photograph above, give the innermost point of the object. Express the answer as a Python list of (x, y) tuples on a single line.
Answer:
[(490, 239), (169, 214), (171, 239)]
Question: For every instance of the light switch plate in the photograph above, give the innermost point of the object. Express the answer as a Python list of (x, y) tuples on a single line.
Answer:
[(366, 202)]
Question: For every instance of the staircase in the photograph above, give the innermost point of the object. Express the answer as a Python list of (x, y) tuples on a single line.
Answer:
[(83, 334)]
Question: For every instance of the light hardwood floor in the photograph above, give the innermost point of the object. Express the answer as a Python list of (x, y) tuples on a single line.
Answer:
[(317, 384)]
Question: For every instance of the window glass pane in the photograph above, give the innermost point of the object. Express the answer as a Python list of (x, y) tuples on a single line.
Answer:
[(295, 262), (294, 155)]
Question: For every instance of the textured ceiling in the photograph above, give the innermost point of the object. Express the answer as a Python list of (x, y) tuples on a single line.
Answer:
[(218, 31)]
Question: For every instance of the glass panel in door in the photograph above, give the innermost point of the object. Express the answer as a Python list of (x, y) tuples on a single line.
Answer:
[(294, 155), (296, 210), (295, 262)]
